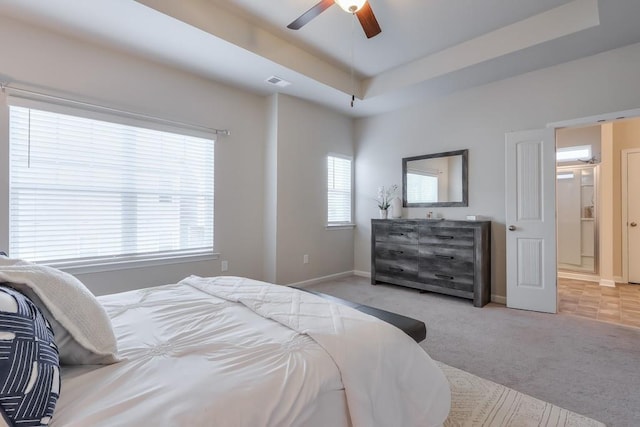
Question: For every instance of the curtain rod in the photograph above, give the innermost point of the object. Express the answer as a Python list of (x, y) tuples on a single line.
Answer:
[(5, 86)]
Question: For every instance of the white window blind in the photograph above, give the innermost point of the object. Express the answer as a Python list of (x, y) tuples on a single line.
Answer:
[(422, 188), (339, 190), (85, 191)]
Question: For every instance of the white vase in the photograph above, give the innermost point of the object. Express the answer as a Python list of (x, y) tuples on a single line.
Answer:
[(383, 214), (396, 208)]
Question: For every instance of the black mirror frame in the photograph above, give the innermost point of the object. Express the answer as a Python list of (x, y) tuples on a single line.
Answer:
[(465, 180)]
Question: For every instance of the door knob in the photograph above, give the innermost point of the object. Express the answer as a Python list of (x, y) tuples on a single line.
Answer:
[(512, 228), (633, 224)]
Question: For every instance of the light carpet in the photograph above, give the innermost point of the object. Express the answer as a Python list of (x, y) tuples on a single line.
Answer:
[(476, 402)]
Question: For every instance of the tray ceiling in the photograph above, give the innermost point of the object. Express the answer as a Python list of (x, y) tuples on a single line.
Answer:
[(426, 48)]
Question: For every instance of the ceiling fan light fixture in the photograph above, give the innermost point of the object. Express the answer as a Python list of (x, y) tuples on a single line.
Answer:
[(351, 6)]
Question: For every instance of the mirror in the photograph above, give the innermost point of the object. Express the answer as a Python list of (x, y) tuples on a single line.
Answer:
[(435, 179)]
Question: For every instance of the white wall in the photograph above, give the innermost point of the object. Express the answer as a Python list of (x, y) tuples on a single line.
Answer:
[(271, 182), (271, 191), (306, 134), (53, 63), (477, 119)]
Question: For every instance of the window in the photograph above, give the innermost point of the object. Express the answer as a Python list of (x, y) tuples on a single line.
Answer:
[(572, 154), (422, 187), (86, 191), (339, 190)]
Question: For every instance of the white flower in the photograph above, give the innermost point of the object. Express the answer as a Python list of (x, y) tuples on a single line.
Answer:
[(385, 197)]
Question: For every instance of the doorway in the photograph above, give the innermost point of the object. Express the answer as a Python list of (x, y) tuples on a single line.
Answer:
[(532, 155), (578, 156), (577, 219), (579, 292)]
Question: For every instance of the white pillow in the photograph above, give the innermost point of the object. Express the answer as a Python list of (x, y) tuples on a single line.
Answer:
[(82, 328)]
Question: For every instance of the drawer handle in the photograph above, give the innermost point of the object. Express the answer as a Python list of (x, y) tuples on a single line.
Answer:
[(443, 276), (444, 256), (441, 236), (399, 270), (396, 234), (396, 252)]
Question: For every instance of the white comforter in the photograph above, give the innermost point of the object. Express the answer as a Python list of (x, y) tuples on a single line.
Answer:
[(229, 351)]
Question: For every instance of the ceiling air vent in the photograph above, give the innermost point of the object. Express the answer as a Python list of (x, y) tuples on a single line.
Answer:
[(277, 81)]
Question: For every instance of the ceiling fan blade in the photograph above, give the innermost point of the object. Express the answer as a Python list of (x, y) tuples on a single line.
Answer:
[(368, 21), (310, 14)]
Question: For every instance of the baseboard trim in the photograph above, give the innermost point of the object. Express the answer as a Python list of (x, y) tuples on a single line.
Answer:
[(499, 299), (608, 283), (579, 276), (619, 279), (322, 279), (359, 273)]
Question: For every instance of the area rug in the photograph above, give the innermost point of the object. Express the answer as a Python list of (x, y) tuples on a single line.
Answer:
[(476, 402)]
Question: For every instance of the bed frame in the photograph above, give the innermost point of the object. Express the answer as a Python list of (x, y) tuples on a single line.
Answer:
[(416, 329)]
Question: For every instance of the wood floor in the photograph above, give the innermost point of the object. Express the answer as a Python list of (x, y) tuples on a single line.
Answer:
[(619, 305)]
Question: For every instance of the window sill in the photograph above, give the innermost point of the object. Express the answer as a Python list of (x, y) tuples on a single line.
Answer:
[(106, 265), (340, 226)]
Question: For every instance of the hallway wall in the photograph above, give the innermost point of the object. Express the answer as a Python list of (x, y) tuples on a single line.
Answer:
[(626, 134)]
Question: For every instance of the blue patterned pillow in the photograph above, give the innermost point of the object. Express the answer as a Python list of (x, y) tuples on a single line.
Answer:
[(29, 365)]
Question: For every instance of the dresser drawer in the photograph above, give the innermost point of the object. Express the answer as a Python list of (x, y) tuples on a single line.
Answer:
[(397, 269), (397, 260), (447, 260), (447, 237), (458, 281), (395, 251), (396, 233)]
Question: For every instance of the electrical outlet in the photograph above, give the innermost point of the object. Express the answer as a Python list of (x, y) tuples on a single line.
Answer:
[(305, 259), (224, 265)]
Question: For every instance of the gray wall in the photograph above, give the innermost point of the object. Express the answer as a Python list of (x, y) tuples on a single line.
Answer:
[(248, 163), (478, 119), (306, 134)]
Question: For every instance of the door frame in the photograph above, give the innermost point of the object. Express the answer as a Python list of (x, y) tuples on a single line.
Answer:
[(592, 120), (624, 196)]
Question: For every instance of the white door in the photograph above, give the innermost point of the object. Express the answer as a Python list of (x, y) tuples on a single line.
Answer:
[(530, 220), (633, 216)]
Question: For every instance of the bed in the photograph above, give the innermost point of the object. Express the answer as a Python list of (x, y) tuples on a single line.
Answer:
[(231, 351)]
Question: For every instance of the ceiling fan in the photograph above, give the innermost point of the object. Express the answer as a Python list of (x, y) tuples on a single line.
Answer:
[(360, 8)]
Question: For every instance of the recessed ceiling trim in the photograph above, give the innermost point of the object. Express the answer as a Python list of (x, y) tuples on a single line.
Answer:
[(237, 58), (593, 120), (206, 16), (561, 21), (569, 18)]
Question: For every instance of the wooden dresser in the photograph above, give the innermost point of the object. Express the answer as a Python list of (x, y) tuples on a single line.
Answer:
[(445, 256)]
